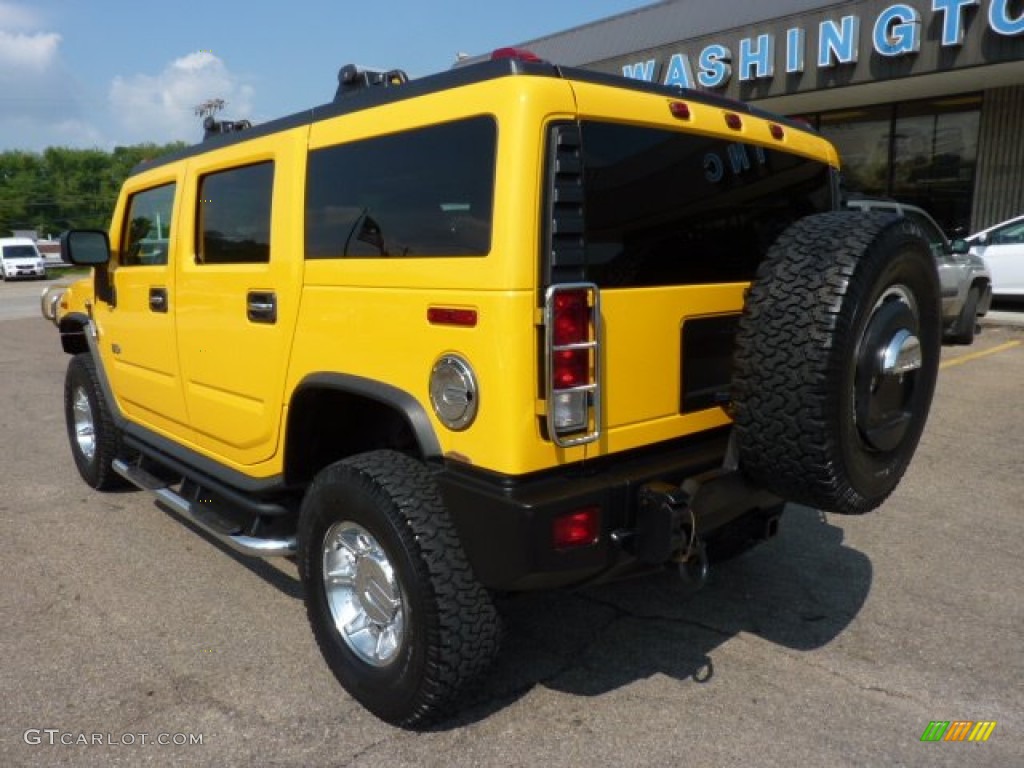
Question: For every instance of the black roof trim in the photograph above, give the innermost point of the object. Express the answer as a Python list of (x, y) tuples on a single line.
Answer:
[(453, 78)]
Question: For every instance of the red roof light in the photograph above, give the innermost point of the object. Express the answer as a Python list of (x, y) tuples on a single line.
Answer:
[(521, 54)]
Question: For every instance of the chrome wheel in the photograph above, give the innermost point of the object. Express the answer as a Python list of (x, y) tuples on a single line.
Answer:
[(888, 358), (84, 424), (363, 592)]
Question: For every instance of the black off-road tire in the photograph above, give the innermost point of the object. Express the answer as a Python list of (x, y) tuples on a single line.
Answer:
[(817, 421), (451, 628), (967, 322), (83, 396)]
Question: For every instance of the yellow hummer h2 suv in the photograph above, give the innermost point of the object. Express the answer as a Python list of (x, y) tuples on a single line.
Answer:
[(508, 327)]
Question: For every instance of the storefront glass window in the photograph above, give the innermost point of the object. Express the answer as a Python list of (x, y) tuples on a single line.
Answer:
[(921, 152), (862, 138)]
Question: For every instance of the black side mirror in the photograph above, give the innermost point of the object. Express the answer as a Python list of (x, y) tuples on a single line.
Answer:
[(85, 247), (90, 248)]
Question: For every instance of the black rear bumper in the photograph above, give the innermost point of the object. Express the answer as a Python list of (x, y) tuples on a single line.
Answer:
[(505, 523)]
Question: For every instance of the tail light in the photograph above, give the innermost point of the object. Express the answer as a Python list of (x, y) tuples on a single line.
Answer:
[(579, 528), (572, 315)]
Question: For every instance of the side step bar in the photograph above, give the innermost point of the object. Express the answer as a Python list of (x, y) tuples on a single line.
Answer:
[(246, 545)]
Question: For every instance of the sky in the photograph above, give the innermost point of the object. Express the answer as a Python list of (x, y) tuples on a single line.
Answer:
[(103, 73)]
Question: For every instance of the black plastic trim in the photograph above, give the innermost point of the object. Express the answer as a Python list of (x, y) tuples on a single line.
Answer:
[(505, 522), (244, 499), (205, 471), (398, 399)]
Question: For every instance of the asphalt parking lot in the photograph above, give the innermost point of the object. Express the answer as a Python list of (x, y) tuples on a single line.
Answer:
[(836, 643)]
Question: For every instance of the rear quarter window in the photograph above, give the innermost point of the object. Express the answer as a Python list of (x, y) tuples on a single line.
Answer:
[(419, 193)]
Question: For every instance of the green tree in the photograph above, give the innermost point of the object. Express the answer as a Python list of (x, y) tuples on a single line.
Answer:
[(65, 188)]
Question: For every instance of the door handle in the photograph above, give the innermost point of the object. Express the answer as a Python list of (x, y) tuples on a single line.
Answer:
[(261, 307), (158, 299)]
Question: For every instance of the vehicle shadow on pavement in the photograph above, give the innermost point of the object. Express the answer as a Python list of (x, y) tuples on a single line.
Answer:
[(799, 590), (281, 576)]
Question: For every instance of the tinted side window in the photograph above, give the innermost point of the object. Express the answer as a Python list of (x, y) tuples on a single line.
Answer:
[(1008, 235), (234, 215), (665, 207), (147, 227), (426, 192)]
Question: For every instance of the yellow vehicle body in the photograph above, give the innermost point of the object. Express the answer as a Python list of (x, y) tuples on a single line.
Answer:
[(207, 379)]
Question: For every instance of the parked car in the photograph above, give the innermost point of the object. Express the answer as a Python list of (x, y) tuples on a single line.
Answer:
[(1002, 248), (966, 280), (19, 257)]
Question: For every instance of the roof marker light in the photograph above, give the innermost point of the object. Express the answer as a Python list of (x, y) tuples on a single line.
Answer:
[(778, 132), (521, 54), (733, 121), (679, 109)]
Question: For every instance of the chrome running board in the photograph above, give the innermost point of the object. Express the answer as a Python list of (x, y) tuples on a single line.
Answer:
[(246, 545)]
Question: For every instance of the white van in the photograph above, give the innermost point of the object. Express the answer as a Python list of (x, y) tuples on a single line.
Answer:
[(19, 257)]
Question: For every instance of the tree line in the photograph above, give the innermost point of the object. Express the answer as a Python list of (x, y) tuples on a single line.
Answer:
[(63, 188)]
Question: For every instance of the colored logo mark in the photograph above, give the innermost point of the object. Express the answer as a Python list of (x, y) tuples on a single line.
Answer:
[(958, 730)]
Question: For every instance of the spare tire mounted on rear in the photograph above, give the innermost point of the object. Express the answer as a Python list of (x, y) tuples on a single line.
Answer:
[(836, 358)]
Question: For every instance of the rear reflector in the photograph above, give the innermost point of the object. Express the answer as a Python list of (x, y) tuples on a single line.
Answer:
[(451, 316), (576, 529)]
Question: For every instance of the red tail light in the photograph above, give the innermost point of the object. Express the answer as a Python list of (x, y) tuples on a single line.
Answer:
[(571, 368), (572, 317), (576, 529)]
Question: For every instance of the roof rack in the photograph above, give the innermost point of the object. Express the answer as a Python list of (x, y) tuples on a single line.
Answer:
[(353, 78), (213, 127)]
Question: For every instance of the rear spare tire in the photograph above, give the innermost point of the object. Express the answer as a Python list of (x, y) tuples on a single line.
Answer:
[(836, 358)]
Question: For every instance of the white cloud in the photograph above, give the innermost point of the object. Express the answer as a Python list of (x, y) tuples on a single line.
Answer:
[(35, 51), (161, 108)]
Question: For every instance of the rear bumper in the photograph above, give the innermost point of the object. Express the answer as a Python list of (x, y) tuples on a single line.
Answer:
[(505, 523)]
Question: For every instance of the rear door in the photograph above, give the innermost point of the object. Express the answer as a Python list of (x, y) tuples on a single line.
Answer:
[(675, 220), (238, 291)]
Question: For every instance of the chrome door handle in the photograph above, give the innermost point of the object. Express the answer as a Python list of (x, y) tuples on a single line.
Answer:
[(158, 299), (261, 307)]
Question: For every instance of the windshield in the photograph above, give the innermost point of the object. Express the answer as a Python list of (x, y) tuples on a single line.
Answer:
[(20, 252)]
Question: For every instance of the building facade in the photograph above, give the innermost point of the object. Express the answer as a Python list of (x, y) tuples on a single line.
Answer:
[(924, 99)]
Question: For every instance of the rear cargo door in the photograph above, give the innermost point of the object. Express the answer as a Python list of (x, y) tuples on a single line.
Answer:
[(677, 209)]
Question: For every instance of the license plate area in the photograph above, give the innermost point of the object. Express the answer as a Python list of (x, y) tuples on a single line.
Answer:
[(706, 350)]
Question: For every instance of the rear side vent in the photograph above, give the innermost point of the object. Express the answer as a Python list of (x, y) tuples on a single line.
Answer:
[(565, 205)]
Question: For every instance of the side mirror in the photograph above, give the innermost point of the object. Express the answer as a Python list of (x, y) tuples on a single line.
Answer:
[(983, 238), (960, 246), (86, 247)]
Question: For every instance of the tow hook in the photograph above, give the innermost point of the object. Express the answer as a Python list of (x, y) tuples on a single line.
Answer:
[(693, 563), (667, 531)]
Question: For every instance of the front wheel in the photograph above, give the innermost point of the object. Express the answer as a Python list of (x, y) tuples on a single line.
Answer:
[(395, 607), (92, 433)]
